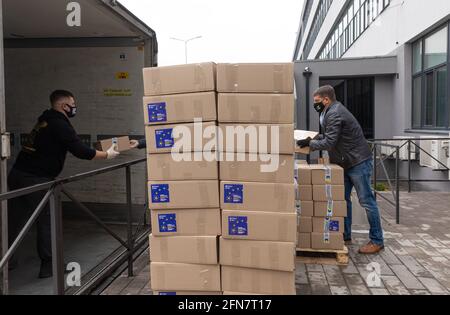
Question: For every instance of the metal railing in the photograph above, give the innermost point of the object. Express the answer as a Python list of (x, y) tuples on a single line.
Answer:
[(53, 196)]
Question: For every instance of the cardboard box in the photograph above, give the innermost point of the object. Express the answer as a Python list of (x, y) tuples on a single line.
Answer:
[(257, 197), (304, 241), (122, 144), (259, 226), (335, 241), (201, 250), (200, 194), (184, 277), (255, 78), (241, 293), (179, 79), (306, 208), (161, 138), (302, 135), (257, 254), (327, 174), (251, 169), (244, 138), (328, 192), (256, 108), (180, 108), (186, 222), (303, 174), (257, 281), (305, 225), (330, 209), (183, 293), (328, 225), (305, 192), (164, 166)]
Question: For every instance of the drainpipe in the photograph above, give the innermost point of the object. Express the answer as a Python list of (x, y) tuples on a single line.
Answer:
[(307, 74)]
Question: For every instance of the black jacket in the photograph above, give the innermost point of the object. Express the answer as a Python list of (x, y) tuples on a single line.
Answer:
[(45, 152), (343, 138)]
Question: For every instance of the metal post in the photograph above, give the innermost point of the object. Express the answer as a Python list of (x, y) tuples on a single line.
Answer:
[(3, 163), (409, 166), (129, 223), (375, 170), (57, 242), (397, 184), (307, 74)]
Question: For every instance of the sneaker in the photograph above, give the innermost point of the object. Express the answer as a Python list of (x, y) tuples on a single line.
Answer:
[(348, 242), (371, 249), (46, 270)]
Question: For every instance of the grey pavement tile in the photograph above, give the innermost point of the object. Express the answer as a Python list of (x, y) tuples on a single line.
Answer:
[(379, 291), (407, 278), (339, 290), (434, 286), (356, 285), (394, 285)]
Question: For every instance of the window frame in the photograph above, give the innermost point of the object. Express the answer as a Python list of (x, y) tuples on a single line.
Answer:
[(423, 73)]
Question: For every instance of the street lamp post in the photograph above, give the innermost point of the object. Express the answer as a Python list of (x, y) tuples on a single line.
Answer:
[(186, 41)]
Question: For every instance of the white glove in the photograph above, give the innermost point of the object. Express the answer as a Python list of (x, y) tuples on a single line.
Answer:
[(112, 153)]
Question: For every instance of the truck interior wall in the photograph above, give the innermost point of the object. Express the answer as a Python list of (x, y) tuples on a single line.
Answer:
[(31, 74)]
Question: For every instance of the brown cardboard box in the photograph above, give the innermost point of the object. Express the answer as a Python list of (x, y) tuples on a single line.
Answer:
[(182, 293), (180, 108), (236, 279), (161, 139), (179, 79), (123, 144), (304, 241), (257, 196), (184, 249), (162, 167), (336, 241), (306, 208), (251, 170), (336, 225), (305, 192), (337, 208), (328, 192), (255, 78), (302, 135), (186, 222), (327, 174), (183, 194), (256, 108), (304, 174), (259, 226), (305, 225), (251, 144), (241, 293), (257, 254), (185, 277)]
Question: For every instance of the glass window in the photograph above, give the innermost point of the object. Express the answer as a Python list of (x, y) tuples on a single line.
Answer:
[(429, 102), (441, 97), (417, 102), (436, 49), (417, 57)]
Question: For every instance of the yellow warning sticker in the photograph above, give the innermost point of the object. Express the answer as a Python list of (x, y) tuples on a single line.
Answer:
[(122, 75)]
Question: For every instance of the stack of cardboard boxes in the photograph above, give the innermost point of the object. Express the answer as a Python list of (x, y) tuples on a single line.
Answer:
[(322, 206), (183, 187), (257, 247)]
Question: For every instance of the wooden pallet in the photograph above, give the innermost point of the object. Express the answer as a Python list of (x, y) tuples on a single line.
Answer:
[(325, 256)]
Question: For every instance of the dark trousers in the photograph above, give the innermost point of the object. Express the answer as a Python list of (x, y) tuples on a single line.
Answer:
[(21, 208)]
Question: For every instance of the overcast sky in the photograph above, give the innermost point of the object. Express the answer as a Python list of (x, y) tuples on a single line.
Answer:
[(231, 30)]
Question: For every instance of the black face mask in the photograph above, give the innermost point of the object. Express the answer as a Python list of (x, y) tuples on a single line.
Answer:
[(72, 112), (319, 107)]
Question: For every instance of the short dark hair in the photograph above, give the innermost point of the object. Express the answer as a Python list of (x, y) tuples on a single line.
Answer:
[(59, 94), (326, 91)]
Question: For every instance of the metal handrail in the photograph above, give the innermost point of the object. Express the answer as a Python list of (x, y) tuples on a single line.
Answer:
[(54, 190)]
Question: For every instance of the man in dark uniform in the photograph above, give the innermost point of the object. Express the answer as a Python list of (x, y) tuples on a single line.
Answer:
[(42, 160)]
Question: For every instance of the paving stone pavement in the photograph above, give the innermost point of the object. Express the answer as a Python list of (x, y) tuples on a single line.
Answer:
[(416, 260)]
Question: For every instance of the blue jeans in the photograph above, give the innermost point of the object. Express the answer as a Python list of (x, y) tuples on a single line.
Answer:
[(360, 178)]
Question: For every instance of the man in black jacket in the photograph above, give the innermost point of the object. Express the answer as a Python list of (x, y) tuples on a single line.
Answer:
[(42, 160), (344, 140)]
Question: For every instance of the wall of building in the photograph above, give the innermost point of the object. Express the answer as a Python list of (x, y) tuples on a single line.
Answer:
[(90, 73)]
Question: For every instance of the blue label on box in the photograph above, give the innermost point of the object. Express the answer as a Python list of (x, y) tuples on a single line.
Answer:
[(167, 223), (157, 112), (238, 226), (234, 193), (167, 293), (164, 138), (334, 226), (160, 193)]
